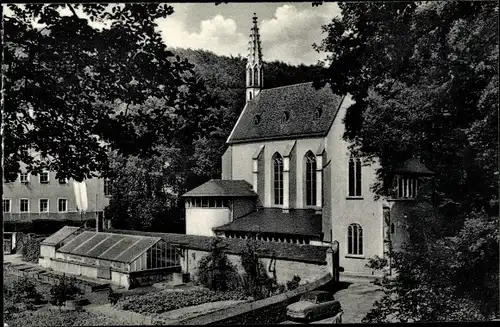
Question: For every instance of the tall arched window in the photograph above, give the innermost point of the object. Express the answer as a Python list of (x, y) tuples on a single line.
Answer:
[(278, 178), (354, 177), (256, 77), (310, 179), (355, 239)]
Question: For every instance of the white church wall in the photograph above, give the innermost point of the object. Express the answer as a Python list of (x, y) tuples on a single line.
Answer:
[(345, 210)]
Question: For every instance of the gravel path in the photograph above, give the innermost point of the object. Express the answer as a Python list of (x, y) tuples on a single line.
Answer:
[(357, 299)]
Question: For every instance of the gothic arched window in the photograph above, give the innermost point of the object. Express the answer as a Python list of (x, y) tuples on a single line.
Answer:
[(310, 179), (354, 239), (255, 77), (278, 178), (251, 78), (354, 176)]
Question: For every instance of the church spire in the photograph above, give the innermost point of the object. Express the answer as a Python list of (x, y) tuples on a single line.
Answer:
[(254, 72)]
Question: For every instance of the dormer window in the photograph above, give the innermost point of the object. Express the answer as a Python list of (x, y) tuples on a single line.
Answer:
[(319, 112), (256, 120), (285, 117), (406, 187)]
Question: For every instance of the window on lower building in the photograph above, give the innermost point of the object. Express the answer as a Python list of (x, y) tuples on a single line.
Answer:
[(278, 178), (107, 187), (44, 205), (354, 177), (62, 205), (355, 239), (44, 177), (310, 179), (6, 205), (24, 178), (24, 205), (407, 187), (63, 181), (207, 203)]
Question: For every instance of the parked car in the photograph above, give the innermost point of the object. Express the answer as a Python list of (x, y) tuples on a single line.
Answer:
[(313, 305)]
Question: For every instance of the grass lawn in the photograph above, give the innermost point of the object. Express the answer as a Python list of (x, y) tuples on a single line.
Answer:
[(163, 301)]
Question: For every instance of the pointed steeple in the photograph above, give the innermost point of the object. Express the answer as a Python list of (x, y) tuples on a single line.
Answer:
[(254, 71)]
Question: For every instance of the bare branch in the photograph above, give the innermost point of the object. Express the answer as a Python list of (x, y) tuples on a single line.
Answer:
[(72, 10)]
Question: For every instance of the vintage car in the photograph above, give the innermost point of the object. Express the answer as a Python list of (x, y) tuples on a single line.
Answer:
[(313, 305)]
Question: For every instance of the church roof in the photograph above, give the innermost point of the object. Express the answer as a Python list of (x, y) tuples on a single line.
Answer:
[(222, 187), (272, 220), (310, 113)]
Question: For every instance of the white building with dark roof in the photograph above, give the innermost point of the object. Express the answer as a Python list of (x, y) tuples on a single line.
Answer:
[(288, 176)]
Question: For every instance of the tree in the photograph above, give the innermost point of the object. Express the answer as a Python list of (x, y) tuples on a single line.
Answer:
[(443, 279), (70, 83), (215, 271), (139, 197), (424, 80), (426, 75)]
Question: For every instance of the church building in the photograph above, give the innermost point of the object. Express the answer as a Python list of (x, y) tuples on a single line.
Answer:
[(288, 176)]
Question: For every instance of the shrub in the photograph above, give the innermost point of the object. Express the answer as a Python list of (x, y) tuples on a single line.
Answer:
[(256, 281), (24, 289), (113, 296), (10, 307), (65, 289), (215, 271), (31, 249), (377, 263), (293, 284)]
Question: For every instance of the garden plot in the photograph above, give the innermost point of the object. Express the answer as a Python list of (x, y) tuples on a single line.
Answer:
[(161, 304), (26, 304)]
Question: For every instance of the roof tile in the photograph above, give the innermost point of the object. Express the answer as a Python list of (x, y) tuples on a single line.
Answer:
[(274, 220), (222, 187), (300, 101)]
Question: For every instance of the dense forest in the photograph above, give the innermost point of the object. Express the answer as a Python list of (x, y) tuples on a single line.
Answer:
[(225, 76)]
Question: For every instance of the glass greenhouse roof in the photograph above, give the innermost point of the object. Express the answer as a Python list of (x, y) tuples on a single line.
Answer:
[(107, 246), (60, 235)]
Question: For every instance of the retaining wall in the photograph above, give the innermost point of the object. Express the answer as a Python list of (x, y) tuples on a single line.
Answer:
[(150, 277), (283, 269), (271, 310)]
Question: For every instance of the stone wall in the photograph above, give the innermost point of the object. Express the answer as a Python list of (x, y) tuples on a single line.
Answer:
[(267, 311), (284, 269), (150, 277)]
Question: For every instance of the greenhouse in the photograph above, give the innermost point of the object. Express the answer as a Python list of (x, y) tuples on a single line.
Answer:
[(125, 260)]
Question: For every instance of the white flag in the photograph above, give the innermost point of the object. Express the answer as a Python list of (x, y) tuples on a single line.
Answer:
[(81, 195)]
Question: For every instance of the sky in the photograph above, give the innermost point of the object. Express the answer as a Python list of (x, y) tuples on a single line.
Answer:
[(287, 29)]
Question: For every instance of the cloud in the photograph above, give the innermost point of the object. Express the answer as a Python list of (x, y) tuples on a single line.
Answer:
[(217, 34), (289, 35)]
